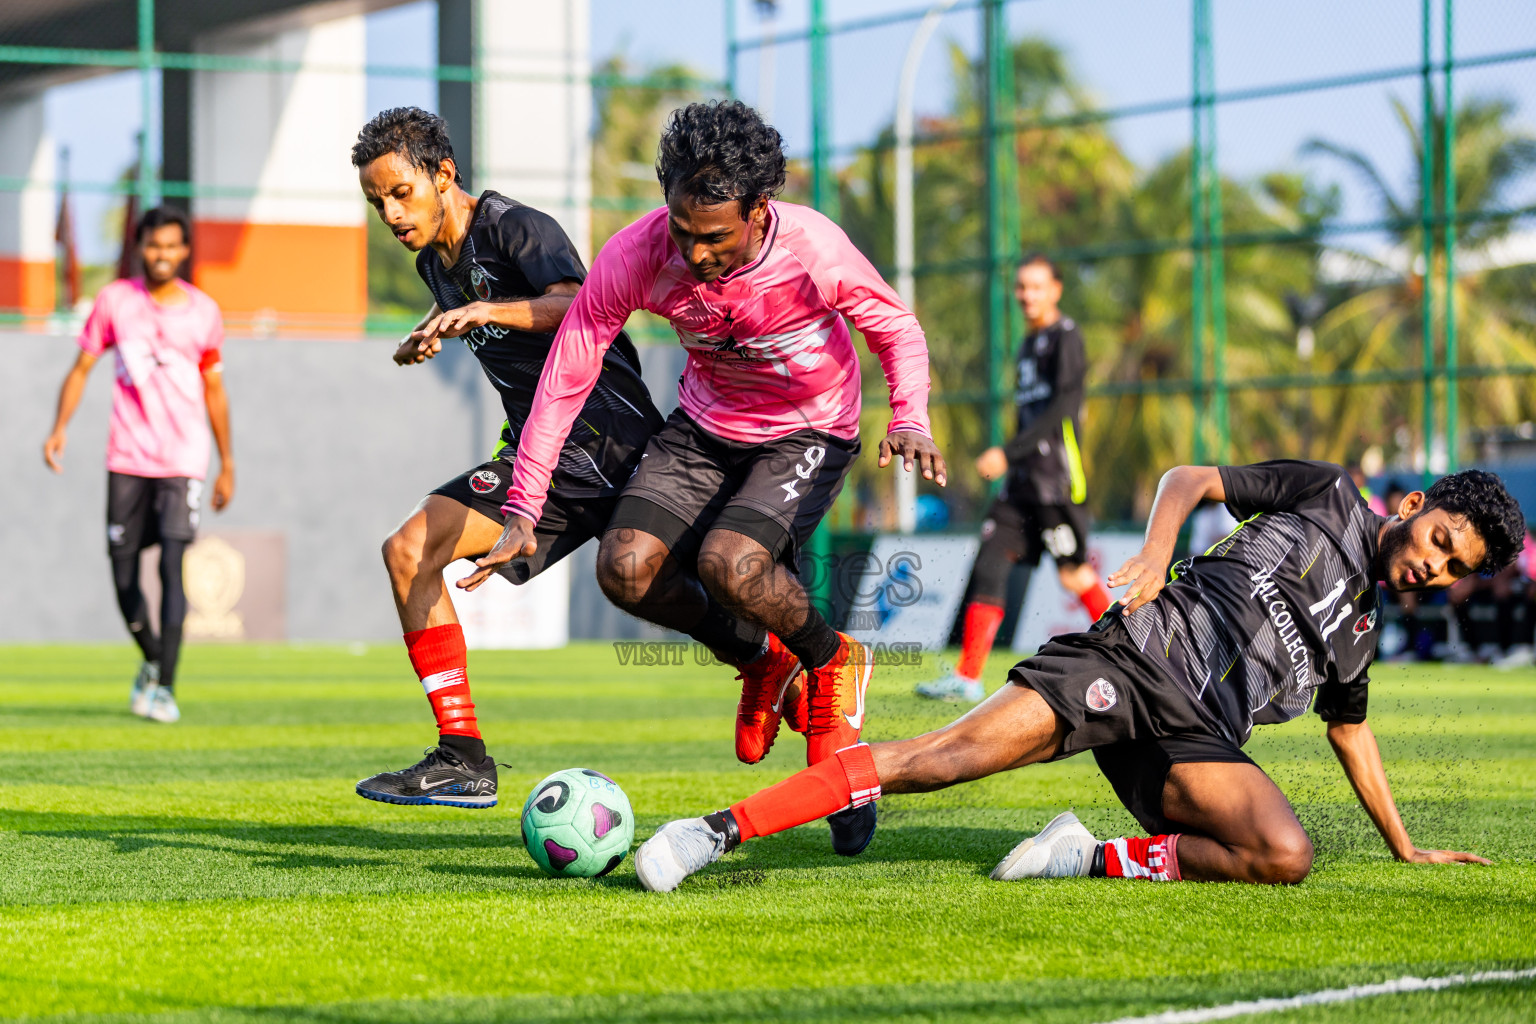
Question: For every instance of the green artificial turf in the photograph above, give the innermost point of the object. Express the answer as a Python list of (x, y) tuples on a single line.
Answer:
[(223, 870)]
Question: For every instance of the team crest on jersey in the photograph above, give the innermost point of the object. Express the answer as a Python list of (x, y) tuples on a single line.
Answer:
[(480, 281), (1101, 695), (484, 482), (1365, 623)]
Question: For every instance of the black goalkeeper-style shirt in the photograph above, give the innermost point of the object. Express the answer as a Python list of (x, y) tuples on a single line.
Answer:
[(512, 251), (1281, 609), (1045, 466)]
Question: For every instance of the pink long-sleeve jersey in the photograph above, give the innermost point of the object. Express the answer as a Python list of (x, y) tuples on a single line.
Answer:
[(768, 351)]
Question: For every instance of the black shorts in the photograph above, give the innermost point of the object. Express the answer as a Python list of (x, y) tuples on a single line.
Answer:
[(567, 523), (691, 481), (1134, 718), (144, 510), (1019, 532)]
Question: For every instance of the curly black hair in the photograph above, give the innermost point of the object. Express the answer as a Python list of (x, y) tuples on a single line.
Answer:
[(1479, 498), (719, 151), (159, 217), (419, 134)]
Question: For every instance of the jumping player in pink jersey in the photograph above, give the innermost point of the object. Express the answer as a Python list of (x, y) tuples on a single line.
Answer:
[(706, 535), (169, 387)]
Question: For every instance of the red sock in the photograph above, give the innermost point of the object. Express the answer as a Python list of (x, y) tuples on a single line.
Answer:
[(440, 660), (981, 622), (1154, 858), (846, 779), (1095, 599)]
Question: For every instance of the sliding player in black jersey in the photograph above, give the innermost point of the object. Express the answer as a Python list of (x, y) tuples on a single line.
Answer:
[(502, 276), (1279, 615)]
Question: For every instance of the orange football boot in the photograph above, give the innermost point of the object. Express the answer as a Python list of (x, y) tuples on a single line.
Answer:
[(763, 684), (836, 700)]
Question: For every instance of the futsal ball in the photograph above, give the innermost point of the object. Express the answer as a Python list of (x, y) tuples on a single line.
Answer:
[(577, 824)]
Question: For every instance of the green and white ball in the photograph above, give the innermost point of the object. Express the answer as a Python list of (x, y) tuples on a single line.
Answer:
[(577, 824)]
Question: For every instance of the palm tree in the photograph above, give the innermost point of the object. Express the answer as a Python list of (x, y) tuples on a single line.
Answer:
[(1379, 326)]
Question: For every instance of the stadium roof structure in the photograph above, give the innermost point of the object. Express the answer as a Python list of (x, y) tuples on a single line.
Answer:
[(112, 25)]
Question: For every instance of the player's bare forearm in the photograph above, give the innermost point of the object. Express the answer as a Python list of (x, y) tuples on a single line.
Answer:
[(541, 315), (1355, 746), (69, 400), (217, 400), (415, 347), (1179, 491)]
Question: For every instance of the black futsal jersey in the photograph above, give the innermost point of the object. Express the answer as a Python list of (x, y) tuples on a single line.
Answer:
[(1045, 466), (512, 251), (1282, 608)]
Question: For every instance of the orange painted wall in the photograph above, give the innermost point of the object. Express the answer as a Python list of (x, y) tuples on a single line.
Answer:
[(26, 285), (288, 268)]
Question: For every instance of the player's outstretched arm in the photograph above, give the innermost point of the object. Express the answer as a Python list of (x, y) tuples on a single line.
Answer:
[(1355, 746), (915, 449), (69, 400), (1179, 491)]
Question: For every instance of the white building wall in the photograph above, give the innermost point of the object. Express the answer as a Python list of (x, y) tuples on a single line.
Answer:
[(27, 152), (533, 110), (289, 135)]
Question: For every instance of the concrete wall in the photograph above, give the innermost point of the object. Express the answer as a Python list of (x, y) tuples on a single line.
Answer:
[(334, 445)]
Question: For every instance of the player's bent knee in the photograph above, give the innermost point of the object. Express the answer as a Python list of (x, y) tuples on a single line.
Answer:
[(732, 567), (622, 574), (1285, 859), (402, 552)]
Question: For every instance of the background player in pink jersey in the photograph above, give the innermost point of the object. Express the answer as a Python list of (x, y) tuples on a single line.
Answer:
[(168, 388), (706, 535)]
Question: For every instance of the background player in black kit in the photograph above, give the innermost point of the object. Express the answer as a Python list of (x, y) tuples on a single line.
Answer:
[(1041, 505), (1280, 615), (502, 276)]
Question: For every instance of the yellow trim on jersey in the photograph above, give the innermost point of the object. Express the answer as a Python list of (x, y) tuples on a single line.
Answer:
[(501, 440), (1074, 463)]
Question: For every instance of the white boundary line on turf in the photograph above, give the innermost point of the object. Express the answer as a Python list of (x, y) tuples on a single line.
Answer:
[(1329, 995)]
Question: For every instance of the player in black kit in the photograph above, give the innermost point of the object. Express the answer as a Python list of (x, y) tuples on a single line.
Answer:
[(1281, 614), (1042, 503), (502, 276)]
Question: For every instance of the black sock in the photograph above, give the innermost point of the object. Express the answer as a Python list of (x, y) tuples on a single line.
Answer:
[(724, 822), (814, 643), (130, 601), (734, 639), (1097, 869), (469, 749), (173, 609)]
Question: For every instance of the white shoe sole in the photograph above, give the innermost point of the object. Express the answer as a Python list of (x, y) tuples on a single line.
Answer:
[(1031, 856)]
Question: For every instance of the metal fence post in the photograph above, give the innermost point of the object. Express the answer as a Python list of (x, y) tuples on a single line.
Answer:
[(823, 198), (1197, 230), (1427, 225), (148, 189), (1452, 361), (995, 52), (1217, 254), (731, 48)]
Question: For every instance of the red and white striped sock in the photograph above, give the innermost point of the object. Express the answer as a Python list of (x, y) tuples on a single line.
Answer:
[(1154, 858), (441, 662)]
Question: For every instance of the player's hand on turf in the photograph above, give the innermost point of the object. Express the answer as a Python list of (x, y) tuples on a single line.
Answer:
[(991, 463), (913, 448), (1444, 857), (1145, 572), (516, 541), (223, 488), (416, 349), (53, 450)]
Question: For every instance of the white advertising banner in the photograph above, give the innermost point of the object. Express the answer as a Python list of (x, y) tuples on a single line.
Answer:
[(1050, 608), (497, 616), (907, 590)]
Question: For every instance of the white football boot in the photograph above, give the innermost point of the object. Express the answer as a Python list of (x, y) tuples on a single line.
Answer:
[(677, 850), (1063, 849), (144, 685), (162, 706), (955, 687)]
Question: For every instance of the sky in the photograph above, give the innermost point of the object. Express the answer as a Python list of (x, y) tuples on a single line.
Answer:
[(1124, 51)]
